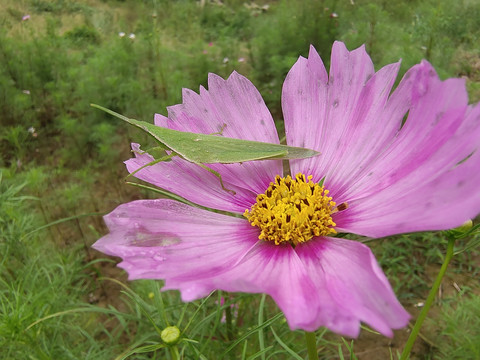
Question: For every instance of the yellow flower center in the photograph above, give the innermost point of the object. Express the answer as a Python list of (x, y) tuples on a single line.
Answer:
[(293, 211)]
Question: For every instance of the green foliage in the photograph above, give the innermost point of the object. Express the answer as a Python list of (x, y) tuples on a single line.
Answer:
[(56, 6), (459, 325), (286, 33), (221, 22), (82, 35), (14, 142), (13, 221), (406, 260), (38, 279), (403, 259), (446, 27)]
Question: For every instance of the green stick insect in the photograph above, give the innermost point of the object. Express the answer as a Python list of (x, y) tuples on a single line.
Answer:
[(203, 149)]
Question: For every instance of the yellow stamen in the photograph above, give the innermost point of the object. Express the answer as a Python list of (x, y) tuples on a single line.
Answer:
[(293, 211)]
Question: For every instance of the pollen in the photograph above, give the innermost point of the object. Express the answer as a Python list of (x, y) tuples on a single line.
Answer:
[(293, 211)]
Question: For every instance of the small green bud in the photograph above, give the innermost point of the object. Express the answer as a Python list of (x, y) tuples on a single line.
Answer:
[(170, 335), (467, 225)]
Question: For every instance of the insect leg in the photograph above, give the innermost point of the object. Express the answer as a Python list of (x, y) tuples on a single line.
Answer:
[(217, 175), (156, 161)]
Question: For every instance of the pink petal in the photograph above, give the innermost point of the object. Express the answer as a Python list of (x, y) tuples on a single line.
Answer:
[(235, 106), (304, 103), (388, 173), (348, 271), (302, 295), (341, 116), (336, 285), (436, 112), (158, 238), (442, 203), (303, 287), (327, 282), (416, 184), (191, 182)]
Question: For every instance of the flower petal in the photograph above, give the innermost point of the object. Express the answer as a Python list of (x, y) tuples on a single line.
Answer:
[(339, 116), (302, 296), (436, 112), (389, 170), (235, 108), (348, 271), (417, 183), (329, 282), (326, 282), (157, 239), (442, 203), (191, 182)]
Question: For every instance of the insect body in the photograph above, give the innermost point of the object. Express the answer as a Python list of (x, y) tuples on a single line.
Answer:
[(203, 149)]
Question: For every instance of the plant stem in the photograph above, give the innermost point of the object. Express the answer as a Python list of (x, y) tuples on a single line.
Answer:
[(174, 353), (228, 322), (261, 339), (429, 301), (311, 341)]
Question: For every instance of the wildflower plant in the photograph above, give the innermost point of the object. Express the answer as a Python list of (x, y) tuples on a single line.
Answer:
[(391, 161)]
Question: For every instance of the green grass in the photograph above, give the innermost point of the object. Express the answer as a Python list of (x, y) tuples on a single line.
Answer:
[(59, 299), (459, 326)]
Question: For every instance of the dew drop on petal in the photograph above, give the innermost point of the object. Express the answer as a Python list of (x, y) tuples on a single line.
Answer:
[(159, 257)]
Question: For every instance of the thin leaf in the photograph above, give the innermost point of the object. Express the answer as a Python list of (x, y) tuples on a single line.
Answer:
[(60, 221), (252, 331), (292, 353)]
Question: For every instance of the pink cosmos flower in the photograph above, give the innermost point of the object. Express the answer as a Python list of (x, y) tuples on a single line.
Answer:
[(392, 162)]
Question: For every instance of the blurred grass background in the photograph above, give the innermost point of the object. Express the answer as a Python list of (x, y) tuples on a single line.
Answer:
[(60, 158)]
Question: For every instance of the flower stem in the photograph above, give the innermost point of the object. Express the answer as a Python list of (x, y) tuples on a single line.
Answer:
[(174, 353), (311, 345), (429, 301)]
